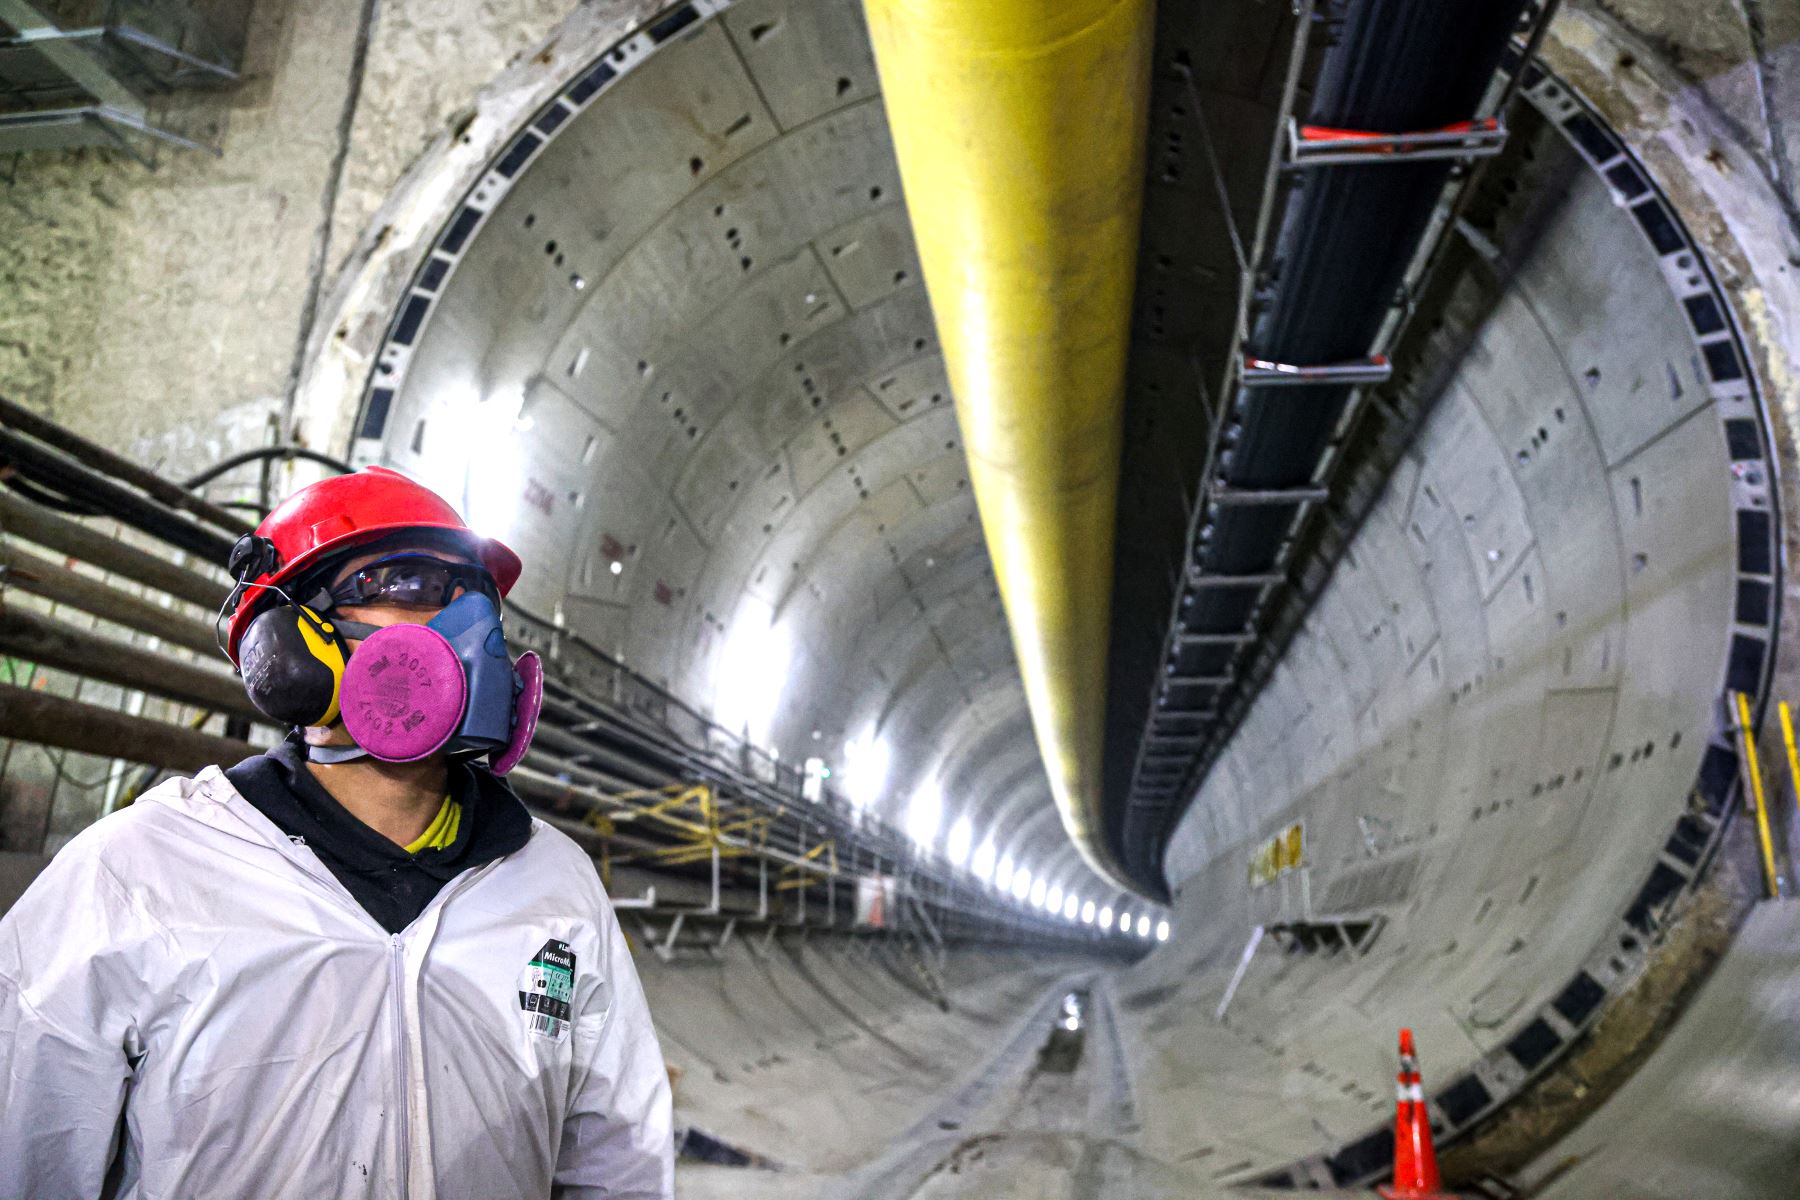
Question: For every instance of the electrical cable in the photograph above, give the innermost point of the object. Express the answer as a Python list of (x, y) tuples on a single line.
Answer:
[(37, 494), (262, 452)]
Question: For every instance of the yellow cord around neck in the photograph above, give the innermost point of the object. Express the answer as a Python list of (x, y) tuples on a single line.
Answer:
[(442, 830)]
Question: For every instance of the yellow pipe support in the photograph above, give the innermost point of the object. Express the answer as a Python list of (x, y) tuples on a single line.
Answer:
[(1019, 126), (1787, 734), (1756, 789)]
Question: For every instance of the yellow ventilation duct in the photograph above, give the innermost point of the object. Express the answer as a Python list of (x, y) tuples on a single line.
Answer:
[(1019, 127)]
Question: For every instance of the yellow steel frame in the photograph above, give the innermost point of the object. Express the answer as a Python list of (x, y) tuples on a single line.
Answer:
[(1019, 126), (1756, 788), (1787, 734), (695, 813), (795, 876)]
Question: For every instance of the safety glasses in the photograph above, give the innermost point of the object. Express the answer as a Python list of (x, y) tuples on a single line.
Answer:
[(413, 581)]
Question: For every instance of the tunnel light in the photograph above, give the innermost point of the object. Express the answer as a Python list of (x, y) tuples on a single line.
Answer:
[(752, 673), (983, 862), (1039, 892), (957, 848), (1021, 882), (866, 762), (1124, 925), (1162, 931), (1087, 912), (472, 457), (1053, 900), (1143, 926), (616, 567), (925, 813), (1106, 918), (1071, 906), (1003, 874)]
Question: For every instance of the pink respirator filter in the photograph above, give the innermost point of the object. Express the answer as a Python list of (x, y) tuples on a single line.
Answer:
[(404, 692), (527, 705)]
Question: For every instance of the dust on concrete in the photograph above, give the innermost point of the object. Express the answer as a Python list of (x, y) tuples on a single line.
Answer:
[(1631, 1029)]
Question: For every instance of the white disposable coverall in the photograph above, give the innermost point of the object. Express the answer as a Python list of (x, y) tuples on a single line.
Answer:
[(185, 962)]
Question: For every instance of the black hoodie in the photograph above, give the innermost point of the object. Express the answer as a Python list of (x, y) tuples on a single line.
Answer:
[(391, 884)]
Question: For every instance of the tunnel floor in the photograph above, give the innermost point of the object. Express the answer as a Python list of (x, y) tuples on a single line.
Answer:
[(853, 1083)]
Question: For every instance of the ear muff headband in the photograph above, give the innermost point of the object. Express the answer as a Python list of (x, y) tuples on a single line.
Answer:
[(293, 665)]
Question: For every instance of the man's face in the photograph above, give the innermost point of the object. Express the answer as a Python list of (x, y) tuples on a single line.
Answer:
[(381, 614)]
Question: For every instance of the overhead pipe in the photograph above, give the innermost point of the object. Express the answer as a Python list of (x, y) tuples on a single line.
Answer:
[(52, 580), (47, 720), (36, 523), (36, 638), (1019, 126), (48, 467), (107, 462)]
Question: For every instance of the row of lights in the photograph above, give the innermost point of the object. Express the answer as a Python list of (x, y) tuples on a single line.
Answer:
[(866, 762), (1037, 891), (923, 818)]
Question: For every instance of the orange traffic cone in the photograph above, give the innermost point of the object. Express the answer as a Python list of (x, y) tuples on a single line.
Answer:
[(1415, 1160)]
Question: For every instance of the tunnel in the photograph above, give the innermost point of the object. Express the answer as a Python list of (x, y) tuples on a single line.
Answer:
[(1434, 673)]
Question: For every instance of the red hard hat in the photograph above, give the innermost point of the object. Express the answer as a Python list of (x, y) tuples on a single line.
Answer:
[(347, 511)]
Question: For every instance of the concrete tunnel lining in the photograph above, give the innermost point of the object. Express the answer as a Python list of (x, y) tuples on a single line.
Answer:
[(1482, 629), (806, 390)]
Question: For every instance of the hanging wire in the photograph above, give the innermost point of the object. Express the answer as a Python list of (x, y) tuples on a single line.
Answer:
[(267, 452), (1212, 162)]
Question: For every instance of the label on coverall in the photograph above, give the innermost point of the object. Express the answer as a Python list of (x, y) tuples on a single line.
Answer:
[(547, 990)]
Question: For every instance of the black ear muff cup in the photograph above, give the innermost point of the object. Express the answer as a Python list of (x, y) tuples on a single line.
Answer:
[(293, 665)]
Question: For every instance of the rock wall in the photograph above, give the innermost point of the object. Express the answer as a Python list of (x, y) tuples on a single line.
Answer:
[(162, 308)]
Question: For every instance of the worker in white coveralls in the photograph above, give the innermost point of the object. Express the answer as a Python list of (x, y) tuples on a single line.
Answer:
[(354, 966)]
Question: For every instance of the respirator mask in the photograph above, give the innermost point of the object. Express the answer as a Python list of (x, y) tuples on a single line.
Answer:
[(407, 691)]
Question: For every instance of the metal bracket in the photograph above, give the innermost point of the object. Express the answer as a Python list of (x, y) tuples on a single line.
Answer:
[(1195, 579), (647, 900), (665, 948), (93, 124), (1197, 680), (1214, 639), (1322, 146), (1224, 494), (1262, 372)]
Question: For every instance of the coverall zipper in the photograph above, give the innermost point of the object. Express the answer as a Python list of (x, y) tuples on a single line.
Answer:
[(397, 971)]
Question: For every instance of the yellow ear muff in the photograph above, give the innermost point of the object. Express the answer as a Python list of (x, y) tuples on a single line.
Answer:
[(293, 665), (329, 650)]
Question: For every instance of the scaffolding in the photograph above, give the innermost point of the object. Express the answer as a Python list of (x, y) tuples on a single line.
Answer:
[(104, 75)]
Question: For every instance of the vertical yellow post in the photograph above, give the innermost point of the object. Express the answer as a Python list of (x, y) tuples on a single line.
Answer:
[(1787, 733), (1756, 789)]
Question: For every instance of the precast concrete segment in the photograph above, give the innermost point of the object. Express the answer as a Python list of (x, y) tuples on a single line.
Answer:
[(1019, 130), (1714, 1112), (1498, 708)]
